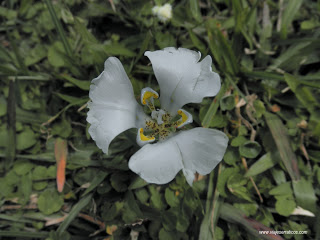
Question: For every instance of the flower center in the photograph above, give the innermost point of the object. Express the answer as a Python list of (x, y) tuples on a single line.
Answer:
[(162, 124)]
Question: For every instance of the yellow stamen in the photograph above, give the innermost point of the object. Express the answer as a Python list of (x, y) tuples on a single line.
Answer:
[(184, 117), (147, 95), (144, 137)]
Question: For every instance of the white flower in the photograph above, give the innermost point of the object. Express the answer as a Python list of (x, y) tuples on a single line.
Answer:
[(164, 12), (182, 79)]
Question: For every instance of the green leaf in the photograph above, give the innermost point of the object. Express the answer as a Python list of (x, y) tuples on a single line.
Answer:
[(264, 163), (231, 156), (237, 186), (8, 13), (62, 128), (3, 106), (285, 205), (142, 195), (111, 211), (171, 198), (132, 211), (21, 167), (39, 185), (50, 201), (70, 99), (35, 55), (138, 182), (250, 149), (156, 198), (182, 223), (282, 189), (309, 24), (164, 40), (167, 235), (26, 139), (82, 84), (223, 178), (218, 233), (219, 121), (56, 56), (238, 141), (305, 194), (259, 108), (303, 93), (227, 103), (248, 208), (169, 219), (26, 186), (39, 173), (85, 176), (118, 181), (118, 50)]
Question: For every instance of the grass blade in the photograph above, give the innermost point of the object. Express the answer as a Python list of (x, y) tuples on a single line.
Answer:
[(231, 214), (280, 136), (209, 222), (96, 181), (24, 235), (74, 213), (213, 107), (292, 8), (11, 127), (59, 27)]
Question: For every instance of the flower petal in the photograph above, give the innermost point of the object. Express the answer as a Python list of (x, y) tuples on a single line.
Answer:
[(113, 108), (196, 150), (182, 78), (157, 163)]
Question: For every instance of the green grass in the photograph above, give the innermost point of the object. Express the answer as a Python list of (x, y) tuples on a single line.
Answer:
[(267, 54)]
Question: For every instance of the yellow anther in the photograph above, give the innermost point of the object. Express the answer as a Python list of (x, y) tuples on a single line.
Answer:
[(147, 96), (186, 118), (143, 137)]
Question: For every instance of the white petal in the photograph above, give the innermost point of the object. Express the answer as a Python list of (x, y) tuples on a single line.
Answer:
[(189, 175), (113, 108), (157, 163), (202, 149), (182, 78), (196, 150)]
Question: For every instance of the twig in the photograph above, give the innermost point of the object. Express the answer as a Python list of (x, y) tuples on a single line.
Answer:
[(304, 150), (246, 123), (82, 107), (244, 162), (15, 207)]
